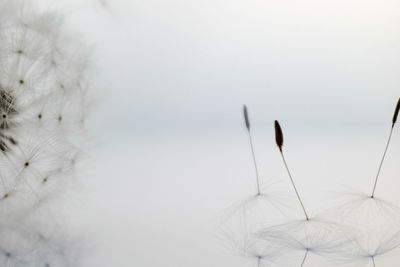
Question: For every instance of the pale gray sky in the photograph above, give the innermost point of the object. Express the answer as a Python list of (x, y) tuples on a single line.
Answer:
[(194, 63), (175, 75)]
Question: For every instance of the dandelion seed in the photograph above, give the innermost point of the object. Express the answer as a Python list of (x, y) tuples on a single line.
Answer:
[(394, 120), (357, 233), (318, 237), (355, 252), (241, 221), (279, 143), (253, 250)]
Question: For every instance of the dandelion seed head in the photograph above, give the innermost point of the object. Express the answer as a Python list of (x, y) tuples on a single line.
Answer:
[(42, 96), (44, 87)]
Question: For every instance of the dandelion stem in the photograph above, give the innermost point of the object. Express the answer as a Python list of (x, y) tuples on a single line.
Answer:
[(373, 261), (247, 122), (394, 120), (279, 143), (304, 258), (294, 186), (258, 261), (383, 158), (255, 164)]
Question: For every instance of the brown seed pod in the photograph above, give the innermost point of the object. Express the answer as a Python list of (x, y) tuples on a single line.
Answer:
[(246, 117), (278, 135), (396, 113)]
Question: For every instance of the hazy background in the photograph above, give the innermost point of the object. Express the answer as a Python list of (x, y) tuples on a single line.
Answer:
[(172, 150)]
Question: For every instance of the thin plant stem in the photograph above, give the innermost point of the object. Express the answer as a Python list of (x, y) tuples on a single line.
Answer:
[(258, 261), (255, 163), (383, 158), (373, 261), (294, 186), (304, 258)]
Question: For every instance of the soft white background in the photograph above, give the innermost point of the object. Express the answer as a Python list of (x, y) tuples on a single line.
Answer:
[(172, 152)]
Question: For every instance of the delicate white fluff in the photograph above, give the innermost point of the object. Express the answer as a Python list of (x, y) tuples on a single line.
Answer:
[(44, 89)]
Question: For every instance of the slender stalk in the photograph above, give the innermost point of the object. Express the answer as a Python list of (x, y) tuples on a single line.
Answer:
[(373, 261), (255, 164), (279, 142), (304, 258), (394, 120), (247, 122), (258, 261), (294, 186), (383, 158)]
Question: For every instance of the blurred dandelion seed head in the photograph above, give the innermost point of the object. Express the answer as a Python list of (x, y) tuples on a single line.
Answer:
[(44, 100)]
